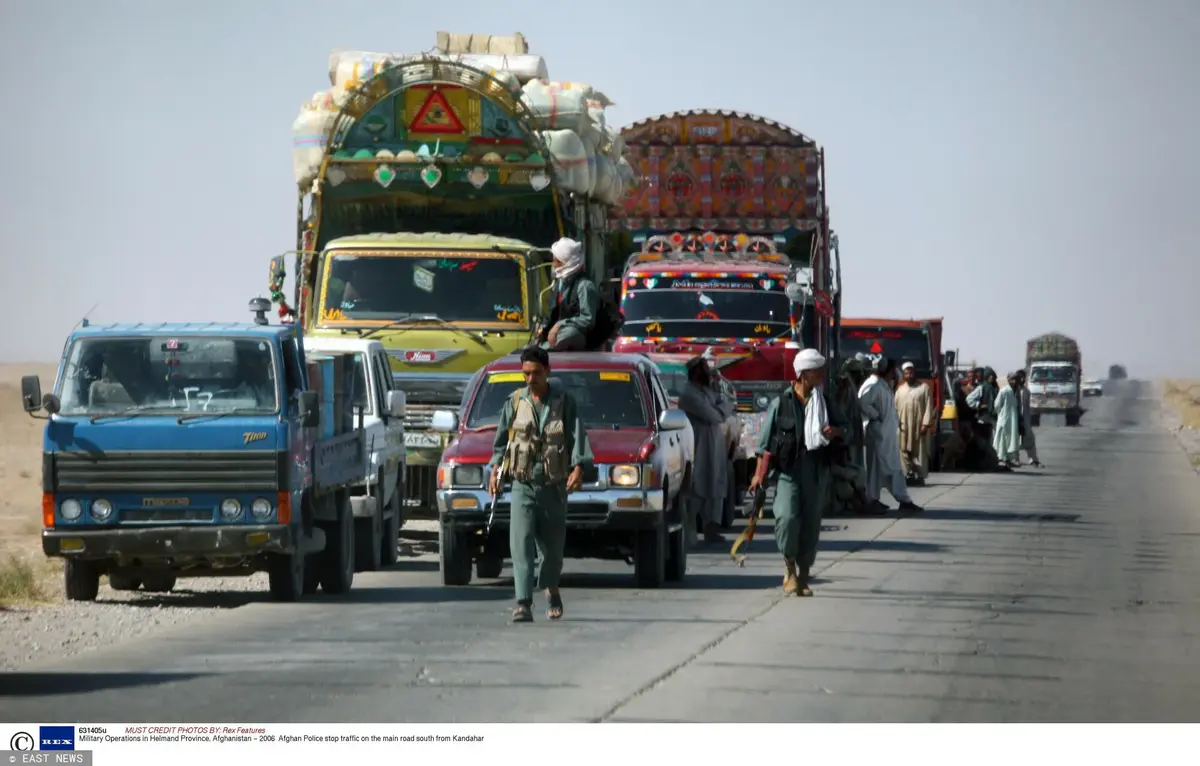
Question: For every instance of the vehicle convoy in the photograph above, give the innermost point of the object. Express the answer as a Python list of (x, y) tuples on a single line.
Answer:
[(186, 450), (905, 340), (378, 500), (1055, 368), (431, 187), (632, 505), (731, 250)]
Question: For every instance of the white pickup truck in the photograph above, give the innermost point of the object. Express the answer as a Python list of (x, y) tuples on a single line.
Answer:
[(377, 503)]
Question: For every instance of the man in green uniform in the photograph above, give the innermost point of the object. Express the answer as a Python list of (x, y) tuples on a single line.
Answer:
[(544, 448), (575, 300), (800, 425)]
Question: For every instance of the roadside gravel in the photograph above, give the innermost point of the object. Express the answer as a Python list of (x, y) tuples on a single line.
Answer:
[(1189, 438)]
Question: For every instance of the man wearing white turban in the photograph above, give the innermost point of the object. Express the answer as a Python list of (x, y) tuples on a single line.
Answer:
[(881, 430), (799, 426), (914, 406), (575, 300)]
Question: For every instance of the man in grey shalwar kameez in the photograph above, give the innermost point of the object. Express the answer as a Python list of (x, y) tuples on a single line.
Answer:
[(707, 411)]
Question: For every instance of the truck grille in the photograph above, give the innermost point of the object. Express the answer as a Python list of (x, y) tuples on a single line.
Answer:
[(419, 417), (578, 514), (168, 471)]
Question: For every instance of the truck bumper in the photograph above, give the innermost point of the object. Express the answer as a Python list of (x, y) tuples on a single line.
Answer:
[(163, 543), (610, 509)]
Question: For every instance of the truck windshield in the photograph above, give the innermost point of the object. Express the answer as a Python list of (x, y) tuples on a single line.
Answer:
[(903, 344), (682, 307), (1052, 375), (605, 398), (169, 374), (455, 287)]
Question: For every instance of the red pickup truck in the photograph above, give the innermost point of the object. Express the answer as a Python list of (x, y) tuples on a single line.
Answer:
[(633, 502)]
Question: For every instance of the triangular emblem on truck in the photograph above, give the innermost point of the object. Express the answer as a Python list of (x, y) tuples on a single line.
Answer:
[(436, 116)]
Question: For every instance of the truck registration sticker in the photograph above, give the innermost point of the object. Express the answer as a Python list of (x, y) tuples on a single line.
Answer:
[(423, 279), (621, 376), (418, 439), (506, 377)]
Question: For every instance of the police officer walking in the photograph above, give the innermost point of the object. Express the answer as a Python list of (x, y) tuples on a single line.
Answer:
[(800, 425), (544, 447)]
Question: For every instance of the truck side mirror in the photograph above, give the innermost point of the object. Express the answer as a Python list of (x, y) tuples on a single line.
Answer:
[(31, 393), (949, 358), (396, 403), (309, 408), (445, 421), (673, 420)]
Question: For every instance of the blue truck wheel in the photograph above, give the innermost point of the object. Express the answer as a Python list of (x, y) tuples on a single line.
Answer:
[(81, 580), (286, 573), (336, 563)]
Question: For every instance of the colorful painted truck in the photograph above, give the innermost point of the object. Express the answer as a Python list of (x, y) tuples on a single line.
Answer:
[(193, 450), (431, 187), (731, 249), (1055, 369)]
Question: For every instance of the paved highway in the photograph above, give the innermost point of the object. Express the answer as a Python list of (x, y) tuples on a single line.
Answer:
[(1066, 594)]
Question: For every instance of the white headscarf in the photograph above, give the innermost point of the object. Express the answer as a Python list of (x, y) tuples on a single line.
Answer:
[(816, 418), (907, 366), (570, 254)]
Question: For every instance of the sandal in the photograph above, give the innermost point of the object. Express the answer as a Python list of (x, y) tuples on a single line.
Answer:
[(555, 610), (522, 612)]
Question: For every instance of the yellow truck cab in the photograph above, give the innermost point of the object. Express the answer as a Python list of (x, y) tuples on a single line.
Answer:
[(431, 189)]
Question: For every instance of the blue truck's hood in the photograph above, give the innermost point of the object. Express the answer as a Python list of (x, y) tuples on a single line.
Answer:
[(164, 433)]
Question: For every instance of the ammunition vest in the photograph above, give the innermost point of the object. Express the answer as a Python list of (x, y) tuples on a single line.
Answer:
[(530, 447), (787, 441)]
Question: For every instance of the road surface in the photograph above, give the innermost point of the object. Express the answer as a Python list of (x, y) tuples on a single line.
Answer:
[(1066, 594)]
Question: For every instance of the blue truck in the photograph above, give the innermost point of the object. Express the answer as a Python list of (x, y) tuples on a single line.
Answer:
[(192, 450)]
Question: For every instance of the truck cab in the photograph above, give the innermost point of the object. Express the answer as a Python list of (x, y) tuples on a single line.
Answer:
[(199, 449), (377, 501)]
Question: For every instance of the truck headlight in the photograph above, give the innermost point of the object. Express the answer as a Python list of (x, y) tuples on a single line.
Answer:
[(261, 508), (230, 509), (70, 509), (762, 402), (624, 475), (468, 476), (101, 509)]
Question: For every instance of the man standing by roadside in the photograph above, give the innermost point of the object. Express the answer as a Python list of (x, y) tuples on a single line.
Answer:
[(545, 448), (1006, 440), (881, 431), (701, 402), (914, 407), (799, 426), (1028, 439)]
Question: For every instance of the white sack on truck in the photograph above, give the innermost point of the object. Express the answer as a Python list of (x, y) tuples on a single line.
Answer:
[(450, 42), (556, 108), (359, 66), (310, 133), (571, 160)]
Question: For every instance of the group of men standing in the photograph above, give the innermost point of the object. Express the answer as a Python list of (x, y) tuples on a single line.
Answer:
[(1001, 416)]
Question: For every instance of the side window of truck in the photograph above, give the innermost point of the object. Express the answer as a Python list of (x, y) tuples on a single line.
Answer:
[(291, 372), (661, 402), (381, 373)]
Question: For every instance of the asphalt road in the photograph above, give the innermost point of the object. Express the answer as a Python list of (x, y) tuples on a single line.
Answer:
[(1065, 594)]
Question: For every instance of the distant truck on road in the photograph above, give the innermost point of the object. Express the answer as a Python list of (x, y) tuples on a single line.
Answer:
[(205, 449), (1055, 368)]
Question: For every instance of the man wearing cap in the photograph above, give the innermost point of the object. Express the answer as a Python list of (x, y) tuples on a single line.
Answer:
[(707, 411), (575, 300), (800, 425), (914, 407), (881, 427)]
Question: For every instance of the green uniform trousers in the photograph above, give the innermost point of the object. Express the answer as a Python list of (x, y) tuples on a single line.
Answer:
[(538, 522), (800, 498)]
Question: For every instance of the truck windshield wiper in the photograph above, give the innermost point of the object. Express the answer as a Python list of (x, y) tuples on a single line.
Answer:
[(403, 323), (130, 413), (222, 413)]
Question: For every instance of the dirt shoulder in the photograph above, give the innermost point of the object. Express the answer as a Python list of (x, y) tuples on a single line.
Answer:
[(1181, 398)]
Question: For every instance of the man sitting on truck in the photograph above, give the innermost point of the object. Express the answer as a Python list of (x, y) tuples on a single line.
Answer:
[(581, 319)]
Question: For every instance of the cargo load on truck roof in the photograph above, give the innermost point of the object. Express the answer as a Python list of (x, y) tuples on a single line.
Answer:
[(1052, 347)]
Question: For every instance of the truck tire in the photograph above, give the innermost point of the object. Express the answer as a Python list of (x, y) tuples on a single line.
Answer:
[(81, 580), (489, 567), (1072, 418), (122, 581), (159, 583), (649, 557), (335, 567), (454, 558), (391, 527), (286, 576), (368, 540)]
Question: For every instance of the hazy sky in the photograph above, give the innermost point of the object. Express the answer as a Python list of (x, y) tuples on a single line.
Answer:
[(1017, 167)]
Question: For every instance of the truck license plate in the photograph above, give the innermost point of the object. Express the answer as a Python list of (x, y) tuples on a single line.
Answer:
[(418, 439)]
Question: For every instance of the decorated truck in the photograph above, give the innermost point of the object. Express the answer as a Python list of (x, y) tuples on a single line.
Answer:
[(200, 449), (731, 249), (431, 187), (1055, 369)]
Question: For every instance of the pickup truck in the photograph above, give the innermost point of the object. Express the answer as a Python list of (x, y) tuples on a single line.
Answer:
[(199, 449), (377, 501), (633, 504)]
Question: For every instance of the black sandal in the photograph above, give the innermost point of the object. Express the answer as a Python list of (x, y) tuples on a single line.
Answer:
[(555, 610), (522, 612)]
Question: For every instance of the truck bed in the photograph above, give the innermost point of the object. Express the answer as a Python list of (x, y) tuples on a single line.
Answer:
[(340, 460)]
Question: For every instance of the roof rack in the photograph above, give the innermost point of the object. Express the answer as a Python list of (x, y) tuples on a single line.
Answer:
[(708, 246)]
